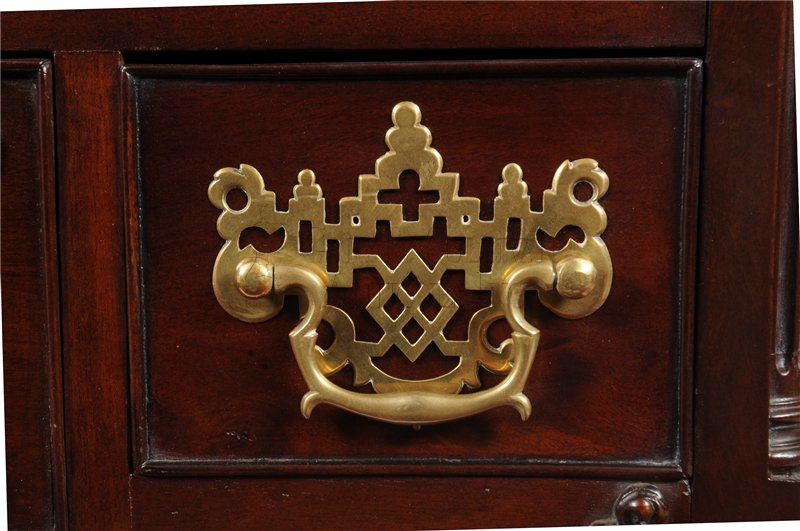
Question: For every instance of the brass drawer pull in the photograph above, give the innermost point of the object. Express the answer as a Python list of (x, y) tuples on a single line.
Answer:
[(572, 282)]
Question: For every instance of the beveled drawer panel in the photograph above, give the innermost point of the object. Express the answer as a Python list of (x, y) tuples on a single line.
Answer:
[(28, 263), (609, 392)]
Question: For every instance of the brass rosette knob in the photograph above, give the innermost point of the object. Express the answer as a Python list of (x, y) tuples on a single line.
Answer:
[(572, 282)]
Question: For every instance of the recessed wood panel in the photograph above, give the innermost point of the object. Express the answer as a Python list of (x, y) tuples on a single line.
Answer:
[(213, 393), (30, 297)]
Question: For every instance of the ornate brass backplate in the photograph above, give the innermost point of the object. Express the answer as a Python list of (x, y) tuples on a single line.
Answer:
[(572, 282)]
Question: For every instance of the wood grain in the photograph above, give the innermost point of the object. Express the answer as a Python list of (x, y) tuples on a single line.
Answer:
[(384, 503), (214, 398), (784, 405), (365, 26), (93, 295), (736, 311), (29, 267), (620, 410)]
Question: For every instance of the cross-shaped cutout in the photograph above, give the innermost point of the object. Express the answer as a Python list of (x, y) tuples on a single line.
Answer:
[(409, 195)]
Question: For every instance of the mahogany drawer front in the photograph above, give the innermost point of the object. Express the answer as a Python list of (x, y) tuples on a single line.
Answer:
[(30, 290), (135, 401), (216, 394)]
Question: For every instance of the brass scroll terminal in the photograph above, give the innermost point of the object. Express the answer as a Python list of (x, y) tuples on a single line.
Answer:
[(572, 282)]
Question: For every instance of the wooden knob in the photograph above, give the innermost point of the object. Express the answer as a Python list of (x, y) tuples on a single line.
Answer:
[(641, 504)]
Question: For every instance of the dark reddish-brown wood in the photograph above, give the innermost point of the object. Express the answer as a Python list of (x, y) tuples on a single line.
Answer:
[(742, 190), (93, 288), (600, 386), (369, 503), (365, 26), (784, 412), (612, 393), (31, 350), (641, 504)]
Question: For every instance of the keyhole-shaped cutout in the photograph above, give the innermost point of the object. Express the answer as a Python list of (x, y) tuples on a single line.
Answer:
[(561, 239), (261, 240)]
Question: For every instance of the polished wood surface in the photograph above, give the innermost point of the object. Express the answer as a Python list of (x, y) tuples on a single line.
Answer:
[(738, 264), (159, 381), (32, 375), (371, 26), (407, 503), (93, 288), (603, 389), (784, 435)]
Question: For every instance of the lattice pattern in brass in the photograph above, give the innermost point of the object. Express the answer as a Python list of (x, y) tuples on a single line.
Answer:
[(581, 272)]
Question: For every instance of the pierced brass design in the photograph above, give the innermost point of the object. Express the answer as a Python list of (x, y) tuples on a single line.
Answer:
[(572, 282)]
